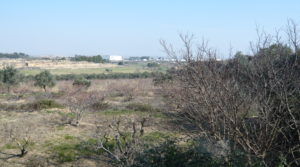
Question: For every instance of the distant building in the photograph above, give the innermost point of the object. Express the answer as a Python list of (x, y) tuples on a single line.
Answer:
[(115, 58)]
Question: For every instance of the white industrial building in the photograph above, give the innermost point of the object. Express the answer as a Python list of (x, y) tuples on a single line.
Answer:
[(115, 58)]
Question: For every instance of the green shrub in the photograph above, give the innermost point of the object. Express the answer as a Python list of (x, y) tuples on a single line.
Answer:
[(108, 70), (170, 153), (65, 152), (69, 137), (81, 81), (44, 79), (153, 64), (156, 136), (167, 154)]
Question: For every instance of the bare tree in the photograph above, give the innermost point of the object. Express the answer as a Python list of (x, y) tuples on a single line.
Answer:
[(19, 137), (251, 104), (126, 138), (293, 34), (79, 102)]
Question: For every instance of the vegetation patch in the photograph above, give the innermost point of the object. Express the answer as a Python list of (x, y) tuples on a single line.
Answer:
[(74, 149), (140, 107), (14, 146), (157, 136), (65, 152), (170, 154), (9, 146), (119, 112), (152, 65), (160, 115), (81, 81), (69, 137), (42, 104), (60, 127), (100, 105)]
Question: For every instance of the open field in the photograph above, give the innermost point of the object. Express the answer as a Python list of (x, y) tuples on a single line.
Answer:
[(100, 70), (60, 71), (51, 64), (53, 142), (60, 67)]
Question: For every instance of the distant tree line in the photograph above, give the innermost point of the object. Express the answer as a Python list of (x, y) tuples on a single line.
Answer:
[(14, 55), (95, 59), (10, 77)]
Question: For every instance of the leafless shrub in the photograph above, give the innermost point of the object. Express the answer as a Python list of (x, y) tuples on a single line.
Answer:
[(79, 102), (18, 138), (126, 142), (124, 89), (248, 101)]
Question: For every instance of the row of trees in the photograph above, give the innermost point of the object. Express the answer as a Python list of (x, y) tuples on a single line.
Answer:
[(9, 77), (95, 59), (14, 55)]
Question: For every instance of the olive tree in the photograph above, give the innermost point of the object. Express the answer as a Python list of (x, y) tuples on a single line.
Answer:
[(10, 77), (44, 79)]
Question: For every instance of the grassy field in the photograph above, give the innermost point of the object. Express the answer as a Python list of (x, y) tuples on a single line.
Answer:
[(127, 68)]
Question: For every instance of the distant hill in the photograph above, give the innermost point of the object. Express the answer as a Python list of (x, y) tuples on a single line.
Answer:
[(14, 55)]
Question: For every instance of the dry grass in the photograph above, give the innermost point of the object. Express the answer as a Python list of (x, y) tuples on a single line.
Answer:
[(52, 64), (49, 136)]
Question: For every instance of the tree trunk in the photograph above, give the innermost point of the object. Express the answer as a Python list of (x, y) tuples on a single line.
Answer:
[(8, 89), (23, 152)]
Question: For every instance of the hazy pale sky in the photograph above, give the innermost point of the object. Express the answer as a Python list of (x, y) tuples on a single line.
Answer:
[(134, 27)]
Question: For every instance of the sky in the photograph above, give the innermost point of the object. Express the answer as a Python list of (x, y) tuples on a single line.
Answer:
[(134, 27)]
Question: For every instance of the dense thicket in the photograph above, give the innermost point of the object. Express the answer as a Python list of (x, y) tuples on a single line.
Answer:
[(249, 102)]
